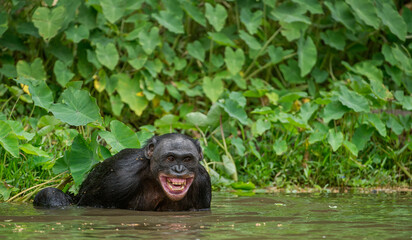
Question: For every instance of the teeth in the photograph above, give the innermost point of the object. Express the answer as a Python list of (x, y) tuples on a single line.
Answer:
[(176, 184)]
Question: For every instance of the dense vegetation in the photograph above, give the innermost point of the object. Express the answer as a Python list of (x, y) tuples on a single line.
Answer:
[(280, 93)]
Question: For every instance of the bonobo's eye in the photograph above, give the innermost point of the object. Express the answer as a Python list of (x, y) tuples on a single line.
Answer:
[(187, 159), (170, 158)]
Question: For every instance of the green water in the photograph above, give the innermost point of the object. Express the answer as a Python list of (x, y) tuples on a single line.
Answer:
[(278, 216)]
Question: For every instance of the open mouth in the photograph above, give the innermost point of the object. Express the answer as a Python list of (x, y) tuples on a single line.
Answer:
[(175, 187)]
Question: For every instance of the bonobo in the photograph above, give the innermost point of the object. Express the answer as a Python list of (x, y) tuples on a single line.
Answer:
[(164, 175)]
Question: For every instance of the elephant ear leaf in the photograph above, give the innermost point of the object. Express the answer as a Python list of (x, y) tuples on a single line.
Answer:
[(48, 21), (77, 108)]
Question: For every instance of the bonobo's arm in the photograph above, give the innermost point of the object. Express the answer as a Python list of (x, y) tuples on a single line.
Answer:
[(113, 182), (202, 190)]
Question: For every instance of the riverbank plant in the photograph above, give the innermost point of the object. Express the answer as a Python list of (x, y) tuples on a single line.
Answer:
[(280, 93)]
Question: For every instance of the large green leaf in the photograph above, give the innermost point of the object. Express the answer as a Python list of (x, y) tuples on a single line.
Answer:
[(131, 93), (351, 147), (362, 136), (8, 140), (63, 75), (366, 11), (353, 100), (76, 33), (120, 137), (137, 57), (80, 159), (194, 12), (405, 101), (234, 110), (333, 111), (18, 130), (280, 146), (30, 149), (234, 60), (230, 167), (335, 39), (196, 50), (260, 126), (150, 40), (342, 13), (171, 21), (335, 139), (307, 54), (312, 6), (107, 55), (77, 108), (41, 94), (291, 72), (290, 12), (251, 20), (34, 70), (391, 18), (113, 10), (48, 21), (216, 16), (377, 123), (213, 88), (250, 40), (277, 54)]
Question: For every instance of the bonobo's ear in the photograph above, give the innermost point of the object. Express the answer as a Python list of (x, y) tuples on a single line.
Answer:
[(199, 149), (149, 148)]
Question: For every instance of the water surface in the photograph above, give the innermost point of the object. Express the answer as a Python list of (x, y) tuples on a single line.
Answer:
[(269, 216)]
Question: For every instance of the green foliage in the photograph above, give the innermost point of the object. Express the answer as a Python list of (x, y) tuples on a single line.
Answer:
[(291, 92)]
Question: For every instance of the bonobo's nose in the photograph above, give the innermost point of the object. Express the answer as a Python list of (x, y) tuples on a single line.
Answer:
[(178, 168)]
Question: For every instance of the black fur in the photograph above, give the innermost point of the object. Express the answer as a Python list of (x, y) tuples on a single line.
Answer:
[(129, 180)]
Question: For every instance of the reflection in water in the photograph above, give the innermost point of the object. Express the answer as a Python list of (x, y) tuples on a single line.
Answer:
[(280, 216)]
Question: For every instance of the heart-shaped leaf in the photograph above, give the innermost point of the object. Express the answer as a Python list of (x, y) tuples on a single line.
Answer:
[(194, 13), (307, 55), (212, 88), (362, 136), (80, 159), (77, 108), (120, 137), (40, 92), (77, 33), (250, 40), (216, 16), (234, 60), (376, 122), (251, 20), (234, 110), (391, 18), (334, 110), (107, 55), (34, 70), (8, 140), (196, 50), (353, 100), (113, 10), (30, 149), (48, 21), (280, 146), (366, 11), (170, 20), (150, 40), (335, 139), (131, 93), (63, 75)]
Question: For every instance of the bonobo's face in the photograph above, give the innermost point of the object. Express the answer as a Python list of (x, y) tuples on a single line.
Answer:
[(175, 161)]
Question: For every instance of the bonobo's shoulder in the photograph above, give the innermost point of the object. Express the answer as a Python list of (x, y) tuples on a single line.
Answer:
[(129, 153)]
